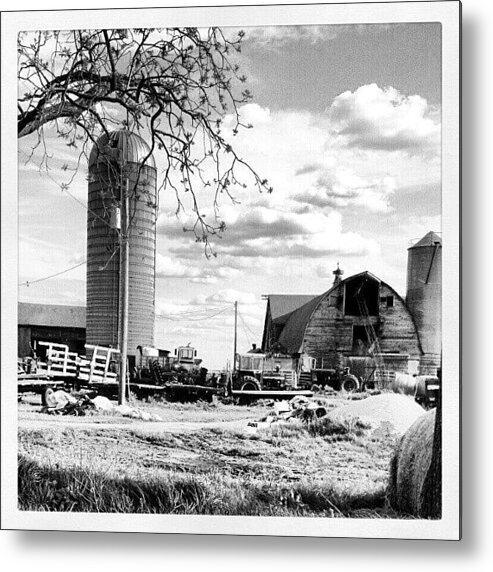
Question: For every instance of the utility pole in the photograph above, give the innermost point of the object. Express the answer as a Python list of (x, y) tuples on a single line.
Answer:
[(124, 271), (235, 338)]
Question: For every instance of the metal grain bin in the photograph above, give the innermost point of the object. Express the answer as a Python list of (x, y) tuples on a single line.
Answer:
[(122, 158)]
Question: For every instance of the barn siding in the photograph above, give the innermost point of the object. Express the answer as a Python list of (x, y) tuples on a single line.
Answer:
[(329, 333)]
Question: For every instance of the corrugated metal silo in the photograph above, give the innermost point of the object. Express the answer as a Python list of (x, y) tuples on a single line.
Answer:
[(118, 160), (424, 297)]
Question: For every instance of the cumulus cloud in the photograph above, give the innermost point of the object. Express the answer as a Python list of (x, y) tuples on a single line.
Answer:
[(379, 119), (276, 37), (272, 233), (172, 267), (225, 296), (341, 187)]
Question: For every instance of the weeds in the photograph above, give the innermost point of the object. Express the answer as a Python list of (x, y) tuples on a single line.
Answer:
[(325, 427), (54, 489)]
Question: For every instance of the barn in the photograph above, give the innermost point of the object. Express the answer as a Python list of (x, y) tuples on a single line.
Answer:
[(362, 323), (50, 323)]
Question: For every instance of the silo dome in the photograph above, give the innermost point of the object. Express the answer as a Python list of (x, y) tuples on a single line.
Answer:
[(121, 160), (122, 141)]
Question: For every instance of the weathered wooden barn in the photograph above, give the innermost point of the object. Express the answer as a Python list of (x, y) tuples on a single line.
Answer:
[(50, 323), (363, 323)]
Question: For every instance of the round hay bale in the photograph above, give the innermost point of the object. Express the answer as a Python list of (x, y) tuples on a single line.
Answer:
[(410, 465)]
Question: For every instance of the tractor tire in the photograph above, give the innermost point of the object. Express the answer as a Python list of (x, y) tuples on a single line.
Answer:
[(250, 384), (349, 384)]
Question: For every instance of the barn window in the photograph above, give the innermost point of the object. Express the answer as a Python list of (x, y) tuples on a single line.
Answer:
[(387, 301), (335, 300), (361, 297), (360, 336)]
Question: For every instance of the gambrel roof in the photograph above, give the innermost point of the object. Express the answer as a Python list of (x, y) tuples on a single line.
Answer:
[(292, 335)]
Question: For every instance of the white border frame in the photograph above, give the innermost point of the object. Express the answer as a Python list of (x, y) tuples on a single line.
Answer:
[(448, 13)]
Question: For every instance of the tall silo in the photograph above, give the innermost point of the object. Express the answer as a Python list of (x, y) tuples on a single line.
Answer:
[(121, 160), (424, 297)]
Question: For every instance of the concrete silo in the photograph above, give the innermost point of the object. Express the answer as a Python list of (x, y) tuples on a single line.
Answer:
[(119, 161), (424, 297)]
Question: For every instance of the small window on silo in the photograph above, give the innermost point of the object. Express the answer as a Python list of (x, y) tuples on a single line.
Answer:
[(390, 301)]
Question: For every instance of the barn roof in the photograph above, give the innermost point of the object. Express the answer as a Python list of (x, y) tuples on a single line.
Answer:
[(51, 315), (293, 333), (282, 305)]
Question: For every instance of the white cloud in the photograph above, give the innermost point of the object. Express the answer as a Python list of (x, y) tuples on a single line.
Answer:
[(226, 296), (278, 36), (274, 233), (373, 118), (341, 187), (172, 267)]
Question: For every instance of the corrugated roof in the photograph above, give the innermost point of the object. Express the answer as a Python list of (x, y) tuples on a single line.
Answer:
[(51, 315), (429, 239), (282, 305)]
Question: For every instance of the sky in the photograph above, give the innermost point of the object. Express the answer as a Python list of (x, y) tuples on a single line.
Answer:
[(346, 128)]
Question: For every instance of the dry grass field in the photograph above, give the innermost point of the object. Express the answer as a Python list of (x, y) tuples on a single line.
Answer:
[(202, 459)]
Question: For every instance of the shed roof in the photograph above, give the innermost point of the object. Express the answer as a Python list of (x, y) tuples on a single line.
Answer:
[(51, 315)]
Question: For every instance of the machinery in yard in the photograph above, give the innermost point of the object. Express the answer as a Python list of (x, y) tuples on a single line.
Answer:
[(179, 376), (259, 375), (339, 379), (424, 388)]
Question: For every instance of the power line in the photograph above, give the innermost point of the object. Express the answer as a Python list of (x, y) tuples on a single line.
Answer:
[(197, 318), (86, 207), (195, 312), (29, 282), (246, 326), (245, 331)]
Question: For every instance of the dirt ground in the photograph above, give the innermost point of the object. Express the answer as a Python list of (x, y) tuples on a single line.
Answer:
[(176, 417)]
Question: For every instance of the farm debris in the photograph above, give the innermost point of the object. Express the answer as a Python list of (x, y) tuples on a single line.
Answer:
[(396, 412), (299, 409), (62, 403), (105, 405), (102, 403)]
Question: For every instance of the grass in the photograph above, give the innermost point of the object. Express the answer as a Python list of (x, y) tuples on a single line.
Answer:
[(81, 490), (297, 469)]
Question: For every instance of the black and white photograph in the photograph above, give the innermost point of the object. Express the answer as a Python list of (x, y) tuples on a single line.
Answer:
[(233, 296)]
